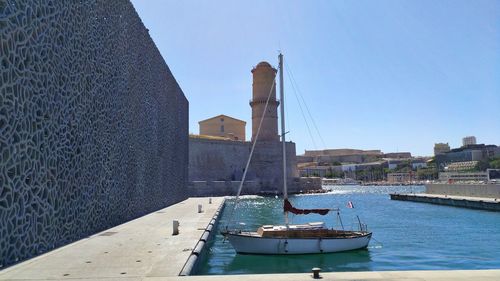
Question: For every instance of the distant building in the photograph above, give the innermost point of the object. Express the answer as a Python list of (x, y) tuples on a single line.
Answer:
[(319, 171), (471, 152), (397, 155), (469, 140), (330, 156), (416, 163), (440, 148), (419, 163), (364, 171), (223, 126), (342, 152), (463, 177), (461, 166), (398, 177)]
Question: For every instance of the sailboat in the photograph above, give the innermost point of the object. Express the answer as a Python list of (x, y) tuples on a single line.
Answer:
[(308, 238)]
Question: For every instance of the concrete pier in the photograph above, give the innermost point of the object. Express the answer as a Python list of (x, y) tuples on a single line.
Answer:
[(490, 204), (463, 189), (138, 249)]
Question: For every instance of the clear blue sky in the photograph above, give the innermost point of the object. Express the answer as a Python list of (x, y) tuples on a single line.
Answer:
[(389, 75)]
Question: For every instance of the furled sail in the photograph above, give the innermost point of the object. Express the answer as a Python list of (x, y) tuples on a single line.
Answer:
[(287, 207)]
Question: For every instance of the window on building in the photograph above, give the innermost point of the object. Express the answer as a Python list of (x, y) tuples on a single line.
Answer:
[(222, 128), (222, 119)]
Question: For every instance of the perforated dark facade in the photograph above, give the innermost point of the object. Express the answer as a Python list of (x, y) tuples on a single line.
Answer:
[(93, 125)]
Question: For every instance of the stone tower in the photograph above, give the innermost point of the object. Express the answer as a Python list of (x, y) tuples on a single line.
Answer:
[(263, 77)]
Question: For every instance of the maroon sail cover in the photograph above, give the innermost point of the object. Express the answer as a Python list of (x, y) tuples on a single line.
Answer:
[(287, 207)]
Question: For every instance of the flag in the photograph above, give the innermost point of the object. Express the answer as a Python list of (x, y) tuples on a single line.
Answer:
[(350, 205)]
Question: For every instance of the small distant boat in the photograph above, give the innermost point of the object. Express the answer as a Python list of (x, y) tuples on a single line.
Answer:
[(309, 238)]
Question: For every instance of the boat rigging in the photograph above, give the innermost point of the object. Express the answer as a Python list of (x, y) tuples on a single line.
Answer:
[(309, 238)]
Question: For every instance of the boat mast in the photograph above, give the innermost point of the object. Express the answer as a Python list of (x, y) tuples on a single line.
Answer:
[(282, 112)]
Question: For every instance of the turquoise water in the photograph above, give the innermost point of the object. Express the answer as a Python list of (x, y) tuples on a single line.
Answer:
[(407, 235)]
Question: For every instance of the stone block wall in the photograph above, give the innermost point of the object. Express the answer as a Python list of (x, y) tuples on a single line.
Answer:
[(468, 190), (93, 125), (222, 188), (218, 160), (267, 164)]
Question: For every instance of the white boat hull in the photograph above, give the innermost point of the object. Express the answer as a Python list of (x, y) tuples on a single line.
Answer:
[(246, 243)]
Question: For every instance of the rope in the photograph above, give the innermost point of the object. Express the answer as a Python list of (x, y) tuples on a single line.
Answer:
[(230, 220), (379, 243), (301, 110), (305, 104)]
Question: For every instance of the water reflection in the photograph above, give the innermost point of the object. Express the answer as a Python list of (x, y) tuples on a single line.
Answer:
[(358, 260)]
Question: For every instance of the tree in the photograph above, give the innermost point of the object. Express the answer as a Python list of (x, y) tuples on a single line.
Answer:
[(427, 174), (482, 165), (495, 163)]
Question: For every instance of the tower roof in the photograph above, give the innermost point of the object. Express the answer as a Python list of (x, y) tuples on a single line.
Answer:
[(222, 116), (264, 64)]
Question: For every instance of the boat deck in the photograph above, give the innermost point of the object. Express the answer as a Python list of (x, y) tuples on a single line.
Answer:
[(313, 230), (309, 233)]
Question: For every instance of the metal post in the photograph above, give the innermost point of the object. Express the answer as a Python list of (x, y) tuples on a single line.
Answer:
[(316, 271), (283, 141), (175, 227), (340, 219)]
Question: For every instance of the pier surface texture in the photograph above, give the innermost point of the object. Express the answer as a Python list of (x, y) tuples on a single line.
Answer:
[(467, 190), (490, 204), (473, 196), (145, 249), (93, 125)]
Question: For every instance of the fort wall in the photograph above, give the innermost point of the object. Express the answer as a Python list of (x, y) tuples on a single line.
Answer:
[(224, 161)]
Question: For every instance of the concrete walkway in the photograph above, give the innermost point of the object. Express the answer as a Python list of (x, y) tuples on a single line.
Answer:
[(140, 248), (481, 203), (144, 249), (477, 199), (440, 275)]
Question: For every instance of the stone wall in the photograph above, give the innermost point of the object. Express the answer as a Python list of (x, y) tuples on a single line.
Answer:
[(470, 190), (217, 160), (93, 125), (221, 188), (267, 164)]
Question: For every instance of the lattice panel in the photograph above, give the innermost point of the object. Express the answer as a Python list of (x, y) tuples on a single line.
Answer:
[(93, 125)]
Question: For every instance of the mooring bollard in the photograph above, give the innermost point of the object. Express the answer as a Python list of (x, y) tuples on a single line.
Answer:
[(210, 200), (175, 226), (316, 271), (200, 208)]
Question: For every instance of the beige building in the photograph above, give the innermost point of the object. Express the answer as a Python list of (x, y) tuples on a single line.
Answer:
[(469, 140), (463, 177), (440, 148), (223, 126), (461, 166), (342, 152), (398, 177)]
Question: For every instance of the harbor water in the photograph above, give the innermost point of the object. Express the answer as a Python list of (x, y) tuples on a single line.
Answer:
[(406, 235)]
